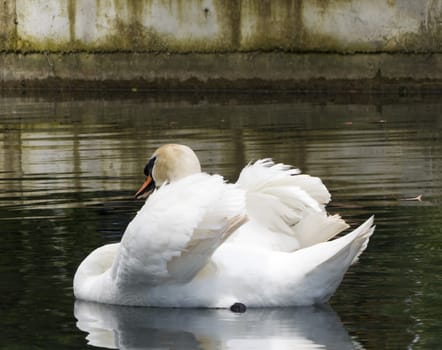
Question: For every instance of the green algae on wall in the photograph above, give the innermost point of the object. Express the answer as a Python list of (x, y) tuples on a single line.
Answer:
[(121, 25), (214, 26), (8, 21)]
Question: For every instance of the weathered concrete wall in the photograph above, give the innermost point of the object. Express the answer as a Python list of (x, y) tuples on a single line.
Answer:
[(206, 41), (222, 25)]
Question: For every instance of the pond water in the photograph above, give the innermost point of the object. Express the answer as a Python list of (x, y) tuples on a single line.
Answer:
[(69, 166)]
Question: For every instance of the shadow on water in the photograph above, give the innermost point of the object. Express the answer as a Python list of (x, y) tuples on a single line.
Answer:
[(69, 168), (119, 327)]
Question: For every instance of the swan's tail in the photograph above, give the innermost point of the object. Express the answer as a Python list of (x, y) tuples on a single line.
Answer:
[(324, 265), (364, 233)]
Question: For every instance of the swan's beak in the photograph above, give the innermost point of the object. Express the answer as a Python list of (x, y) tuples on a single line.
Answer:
[(146, 188)]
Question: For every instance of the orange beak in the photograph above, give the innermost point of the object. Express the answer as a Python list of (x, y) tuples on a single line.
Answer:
[(146, 188)]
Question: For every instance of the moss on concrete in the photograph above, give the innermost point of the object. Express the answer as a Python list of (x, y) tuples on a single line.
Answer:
[(219, 44), (224, 26), (8, 22), (266, 71)]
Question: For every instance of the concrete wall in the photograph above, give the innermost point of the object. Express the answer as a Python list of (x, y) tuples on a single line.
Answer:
[(296, 39), (222, 25)]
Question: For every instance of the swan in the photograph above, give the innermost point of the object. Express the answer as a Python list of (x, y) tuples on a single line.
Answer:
[(198, 241)]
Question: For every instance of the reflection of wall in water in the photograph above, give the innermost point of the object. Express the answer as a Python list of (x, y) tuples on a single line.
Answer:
[(94, 146)]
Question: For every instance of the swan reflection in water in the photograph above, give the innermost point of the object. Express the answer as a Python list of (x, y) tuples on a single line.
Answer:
[(121, 327)]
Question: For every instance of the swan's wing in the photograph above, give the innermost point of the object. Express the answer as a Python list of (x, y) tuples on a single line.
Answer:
[(274, 195), (177, 230), (283, 201)]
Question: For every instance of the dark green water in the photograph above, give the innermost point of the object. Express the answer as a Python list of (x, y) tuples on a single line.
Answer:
[(69, 168)]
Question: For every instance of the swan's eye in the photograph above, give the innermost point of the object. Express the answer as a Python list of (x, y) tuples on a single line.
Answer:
[(149, 166)]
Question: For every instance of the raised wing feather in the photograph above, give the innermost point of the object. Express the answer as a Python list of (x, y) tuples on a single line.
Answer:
[(177, 230), (277, 195), (283, 201)]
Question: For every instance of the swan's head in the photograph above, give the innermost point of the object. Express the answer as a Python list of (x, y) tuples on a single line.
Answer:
[(169, 163)]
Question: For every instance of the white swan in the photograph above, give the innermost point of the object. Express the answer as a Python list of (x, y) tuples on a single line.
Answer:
[(199, 242)]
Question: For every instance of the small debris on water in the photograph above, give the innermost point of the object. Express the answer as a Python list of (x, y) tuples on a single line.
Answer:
[(417, 198)]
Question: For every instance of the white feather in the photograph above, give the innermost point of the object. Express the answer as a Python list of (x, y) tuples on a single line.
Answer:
[(282, 202)]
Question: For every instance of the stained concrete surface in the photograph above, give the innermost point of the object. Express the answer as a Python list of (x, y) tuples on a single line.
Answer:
[(215, 44)]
